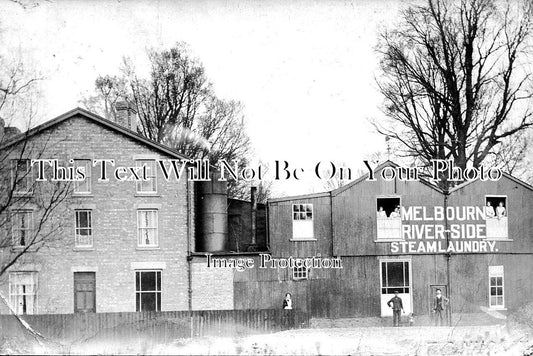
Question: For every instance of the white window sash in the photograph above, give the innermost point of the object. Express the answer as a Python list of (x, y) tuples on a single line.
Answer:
[(149, 186), (23, 292), (147, 227)]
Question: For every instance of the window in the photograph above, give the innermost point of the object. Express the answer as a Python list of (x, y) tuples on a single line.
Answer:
[(388, 219), (84, 230), (147, 227), (496, 295), (496, 213), (22, 226), (148, 290), (23, 292), (394, 277), (83, 187), (302, 221), (149, 185), (300, 273), (21, 175)]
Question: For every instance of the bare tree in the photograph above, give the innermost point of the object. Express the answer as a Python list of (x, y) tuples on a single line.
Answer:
[(27, 207), (456, 80), (176, 106)]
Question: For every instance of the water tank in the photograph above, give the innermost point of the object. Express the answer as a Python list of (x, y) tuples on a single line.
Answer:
[(211, 215)]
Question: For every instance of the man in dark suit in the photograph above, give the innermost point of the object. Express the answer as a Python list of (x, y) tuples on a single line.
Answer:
[(397, 308), (439, 303)]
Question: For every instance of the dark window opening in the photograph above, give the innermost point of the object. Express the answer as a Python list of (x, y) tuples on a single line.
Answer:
[(495, 206), (148, 291), (394, 277), (387, 204)]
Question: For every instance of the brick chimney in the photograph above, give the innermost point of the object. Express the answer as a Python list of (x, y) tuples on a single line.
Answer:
[(7, 132), (126, 116)]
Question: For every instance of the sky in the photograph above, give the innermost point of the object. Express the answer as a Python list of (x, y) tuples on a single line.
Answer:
[(304, 70)]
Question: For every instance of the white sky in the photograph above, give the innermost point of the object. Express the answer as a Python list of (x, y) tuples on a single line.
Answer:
[(304, 70)]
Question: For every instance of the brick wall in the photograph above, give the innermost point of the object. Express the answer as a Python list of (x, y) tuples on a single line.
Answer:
[(114, 204), (212, 288)]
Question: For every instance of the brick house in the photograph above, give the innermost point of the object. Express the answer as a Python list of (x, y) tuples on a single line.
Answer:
[(123, 245)]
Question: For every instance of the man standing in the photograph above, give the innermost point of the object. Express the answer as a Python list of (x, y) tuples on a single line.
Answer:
[(397, 308), (439, 303)]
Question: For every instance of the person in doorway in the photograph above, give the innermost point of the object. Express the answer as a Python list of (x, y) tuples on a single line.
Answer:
[(288, 315), (439, 304), (382, 213), (287, 302), (489, 211), (397, 308), (500, 210)]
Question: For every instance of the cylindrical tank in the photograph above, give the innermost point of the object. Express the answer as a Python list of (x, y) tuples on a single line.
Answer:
[(212, 216)]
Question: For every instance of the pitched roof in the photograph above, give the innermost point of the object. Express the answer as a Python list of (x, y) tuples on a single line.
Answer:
[(98, 119), (339, 190)]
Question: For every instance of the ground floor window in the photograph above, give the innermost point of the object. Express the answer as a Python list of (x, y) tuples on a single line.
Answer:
[(23, 292), (148, 290), (394, 277), (496, 295)]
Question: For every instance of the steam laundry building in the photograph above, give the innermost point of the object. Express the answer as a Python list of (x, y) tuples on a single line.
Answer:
[(449, 241)]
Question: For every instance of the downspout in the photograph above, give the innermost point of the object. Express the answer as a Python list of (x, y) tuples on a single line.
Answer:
[(189, 256), (331, 223), (448, 255)]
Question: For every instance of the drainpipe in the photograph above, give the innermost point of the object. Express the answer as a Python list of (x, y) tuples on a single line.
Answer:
[(189, 256), (253, 198), (448, 256)]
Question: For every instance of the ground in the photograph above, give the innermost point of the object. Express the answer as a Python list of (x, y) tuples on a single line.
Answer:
[(485, 340), (514, 336)]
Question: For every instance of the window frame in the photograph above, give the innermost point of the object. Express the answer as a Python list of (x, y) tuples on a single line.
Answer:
[(28, 179), (496, 274), (303, 271), (506, 198), (408, 274), (90, 228), (139, 162), (12, 302), (138, 308), (310, 221), (388, 239), (156, 228), (14, 222), (88, 176)]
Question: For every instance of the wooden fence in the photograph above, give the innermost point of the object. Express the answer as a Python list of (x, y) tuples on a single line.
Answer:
[(156, 326)]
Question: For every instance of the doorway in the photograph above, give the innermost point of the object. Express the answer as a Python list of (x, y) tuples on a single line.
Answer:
[(84, 292), (395, 276)]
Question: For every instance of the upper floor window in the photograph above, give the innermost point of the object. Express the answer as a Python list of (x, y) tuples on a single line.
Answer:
[(83, 187), (302, 221), (496, 213), (22, 226), (149, 185), (21, 175), (300, 273), (388, 218), (84, 229), (23, 292), (147, 228), (496, 295)]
